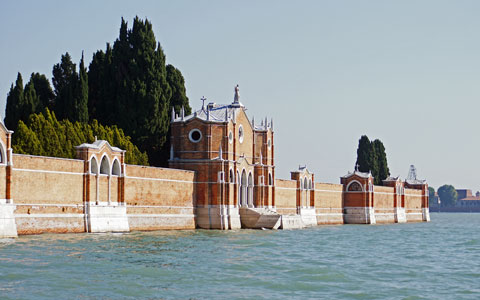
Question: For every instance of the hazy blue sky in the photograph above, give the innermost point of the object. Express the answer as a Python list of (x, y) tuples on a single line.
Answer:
[(406, 72)]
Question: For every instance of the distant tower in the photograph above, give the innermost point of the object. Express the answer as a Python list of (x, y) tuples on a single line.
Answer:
[(412, 174)]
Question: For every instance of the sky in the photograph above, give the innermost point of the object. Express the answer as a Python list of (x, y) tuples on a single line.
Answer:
[(327, 72)]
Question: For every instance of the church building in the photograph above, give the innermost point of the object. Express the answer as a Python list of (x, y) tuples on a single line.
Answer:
[(233, 158)]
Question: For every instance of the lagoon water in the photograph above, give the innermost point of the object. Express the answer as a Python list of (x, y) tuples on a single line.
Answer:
[(436, 260)]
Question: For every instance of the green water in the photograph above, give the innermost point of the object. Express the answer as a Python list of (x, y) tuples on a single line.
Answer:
[(436, 260)]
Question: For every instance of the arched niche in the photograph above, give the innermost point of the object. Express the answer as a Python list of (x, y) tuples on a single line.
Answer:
[(105, 166), (116, 170), (93, 165)]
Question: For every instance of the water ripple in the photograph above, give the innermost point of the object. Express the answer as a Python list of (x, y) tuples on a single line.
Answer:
[(436, 260)]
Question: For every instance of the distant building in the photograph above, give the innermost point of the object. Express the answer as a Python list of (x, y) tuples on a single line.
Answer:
[(466, 199)]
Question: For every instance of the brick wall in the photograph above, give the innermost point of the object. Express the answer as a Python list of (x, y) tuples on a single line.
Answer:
[(329, 203), (48, 193), (159, 198)]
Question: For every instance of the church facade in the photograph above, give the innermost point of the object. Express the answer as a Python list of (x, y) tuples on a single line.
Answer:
[(221, 175)]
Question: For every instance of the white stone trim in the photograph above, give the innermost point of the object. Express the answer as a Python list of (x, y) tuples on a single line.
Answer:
[(50, 205), (160, 206), (49, 157), (160, 179), (48, 171), (80, 215), (160, 215), (329, 191)]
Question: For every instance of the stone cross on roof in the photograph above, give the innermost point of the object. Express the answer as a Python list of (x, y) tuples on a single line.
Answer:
[(203, 99)]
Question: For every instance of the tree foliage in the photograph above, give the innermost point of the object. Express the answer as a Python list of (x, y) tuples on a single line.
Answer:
[(23, 101), (371, 157), (44, 135), (128, 85), (131, 86), (448, 195), (71, 90)]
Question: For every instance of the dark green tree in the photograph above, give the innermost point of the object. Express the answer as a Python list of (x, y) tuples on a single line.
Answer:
[(179, 97), (80, 112), (30, 101), (380, 164), (448, 195), (13, 108), (364, 154), (371, 157), (64, 81), (43, 90), (131, 86)]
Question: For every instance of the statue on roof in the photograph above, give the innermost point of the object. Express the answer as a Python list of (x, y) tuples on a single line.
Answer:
[(236, 99)]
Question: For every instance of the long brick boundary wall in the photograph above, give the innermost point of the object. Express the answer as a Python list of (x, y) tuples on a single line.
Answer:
[(50, 195), (101, 193)]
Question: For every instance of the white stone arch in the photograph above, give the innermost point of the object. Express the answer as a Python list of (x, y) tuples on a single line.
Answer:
[(93, 165), (3, 154), (352, 182), (105, 165), (116, 169), (250, 190)]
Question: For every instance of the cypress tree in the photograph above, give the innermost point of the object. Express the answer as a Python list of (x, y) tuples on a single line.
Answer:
[(382, 171), (80, 113), (96, 81), (371, 157), (131, 86), (44, 91), (30, 101), (14, 104), (64, 83), (179, 97), (364, 154)]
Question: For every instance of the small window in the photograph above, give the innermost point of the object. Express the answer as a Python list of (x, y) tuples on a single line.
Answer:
[(269, 144), (230, 137), (270, 181), (240, 134), (195, 135), (232, 178)]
